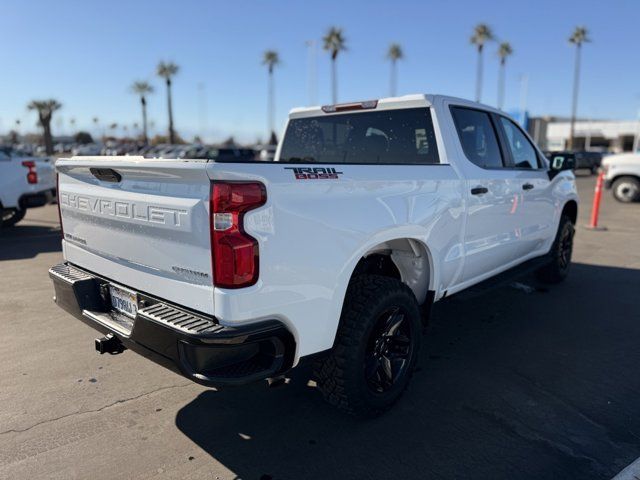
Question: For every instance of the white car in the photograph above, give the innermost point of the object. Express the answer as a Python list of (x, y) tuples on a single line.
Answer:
[(266, 153), (622, 176), (88, 149), (25, 182), (231, 272)]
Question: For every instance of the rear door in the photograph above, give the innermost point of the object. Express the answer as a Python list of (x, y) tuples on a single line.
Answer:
[(491, 234), (140, 222)]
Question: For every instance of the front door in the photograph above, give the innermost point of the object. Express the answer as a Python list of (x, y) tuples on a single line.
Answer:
[(535, 209)]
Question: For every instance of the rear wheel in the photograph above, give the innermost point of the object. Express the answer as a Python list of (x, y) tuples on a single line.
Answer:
[(561, 250), (376, 347), (626, 189), (12, 216)]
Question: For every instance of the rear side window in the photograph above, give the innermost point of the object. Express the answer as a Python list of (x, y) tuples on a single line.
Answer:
[(380, 137), (522, 152), (478, 137)]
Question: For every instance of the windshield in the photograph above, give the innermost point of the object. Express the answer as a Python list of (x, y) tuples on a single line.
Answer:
[(381, 137)]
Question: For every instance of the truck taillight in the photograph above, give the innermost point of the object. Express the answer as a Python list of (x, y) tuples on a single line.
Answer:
[(234, 253), (32, 175)]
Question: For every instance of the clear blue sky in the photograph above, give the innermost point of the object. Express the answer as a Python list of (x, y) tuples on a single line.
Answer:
[(86, 54)]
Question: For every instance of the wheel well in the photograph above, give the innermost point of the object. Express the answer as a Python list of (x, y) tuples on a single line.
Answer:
[(404, 259), (621, 175), (571, 210)]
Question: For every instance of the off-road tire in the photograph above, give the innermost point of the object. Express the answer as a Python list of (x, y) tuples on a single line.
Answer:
[(560, 254), (626, 189), (13, 216), (341, 376)]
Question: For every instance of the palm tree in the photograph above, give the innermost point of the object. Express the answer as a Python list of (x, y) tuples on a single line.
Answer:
[(45, 109), (143, 89), (334, 43), (481, 34), (167, 70), (394, 54), (270, 58), (579, 36), (504, 50)]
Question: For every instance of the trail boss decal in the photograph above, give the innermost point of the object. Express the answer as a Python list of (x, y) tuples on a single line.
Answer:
[(315, 173)]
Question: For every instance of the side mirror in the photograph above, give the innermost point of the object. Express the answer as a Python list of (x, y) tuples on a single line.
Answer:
[(560, 163)]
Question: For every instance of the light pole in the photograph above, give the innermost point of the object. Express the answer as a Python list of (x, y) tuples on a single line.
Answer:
[(636, 139), (202, 110), (312, 71)]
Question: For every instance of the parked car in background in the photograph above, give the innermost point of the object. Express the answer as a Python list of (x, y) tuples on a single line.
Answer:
[(588, 161), (582, 160), (622, 176), (89, 149), (266, 153), (25, 182)]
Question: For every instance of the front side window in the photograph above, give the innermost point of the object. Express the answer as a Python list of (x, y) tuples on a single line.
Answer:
[(523, 153), (478, 137), (374, 137)]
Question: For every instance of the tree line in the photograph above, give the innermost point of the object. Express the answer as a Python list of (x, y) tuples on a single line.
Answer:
[(333, 42)]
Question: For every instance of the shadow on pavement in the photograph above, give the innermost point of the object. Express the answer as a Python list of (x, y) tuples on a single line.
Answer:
[(27, 241), (510, 385)]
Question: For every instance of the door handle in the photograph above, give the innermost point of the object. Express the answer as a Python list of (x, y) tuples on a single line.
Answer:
[(479, 190), (527, 186)]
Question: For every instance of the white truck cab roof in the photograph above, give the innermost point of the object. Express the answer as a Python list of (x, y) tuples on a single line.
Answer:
[(414, 100)]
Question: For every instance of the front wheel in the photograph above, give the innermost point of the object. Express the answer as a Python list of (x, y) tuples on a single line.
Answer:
[(376, 348), (626, 189), (12, 216), (560, 255)]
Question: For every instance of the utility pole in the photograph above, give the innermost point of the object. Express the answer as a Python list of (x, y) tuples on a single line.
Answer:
[(636, 139), (524, 86), (202, 110), (312, 71)]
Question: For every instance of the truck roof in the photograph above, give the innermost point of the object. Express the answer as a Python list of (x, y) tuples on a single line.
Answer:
[(415, 100)]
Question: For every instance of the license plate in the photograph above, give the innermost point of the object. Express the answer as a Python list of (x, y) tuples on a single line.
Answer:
[(124, 301)]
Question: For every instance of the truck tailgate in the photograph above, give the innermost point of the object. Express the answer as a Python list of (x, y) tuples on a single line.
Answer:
[(143, 223), (46, 173)]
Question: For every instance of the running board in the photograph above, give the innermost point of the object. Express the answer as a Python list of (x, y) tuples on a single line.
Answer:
[(501, 279)]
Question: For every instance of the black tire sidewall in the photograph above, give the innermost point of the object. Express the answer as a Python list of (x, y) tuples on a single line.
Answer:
[(356, 384), (380, 400), (15, 218), (558, 273), (628, 179), (553, 272)]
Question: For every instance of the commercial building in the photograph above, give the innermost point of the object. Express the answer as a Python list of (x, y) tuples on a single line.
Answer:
[(552, 133)]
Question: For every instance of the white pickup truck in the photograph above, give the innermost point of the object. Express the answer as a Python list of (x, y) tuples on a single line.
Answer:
[(622, 176), (371, 211), (25, 182)]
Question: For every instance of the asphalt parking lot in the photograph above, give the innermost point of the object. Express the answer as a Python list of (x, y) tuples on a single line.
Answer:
[(515, 383)]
